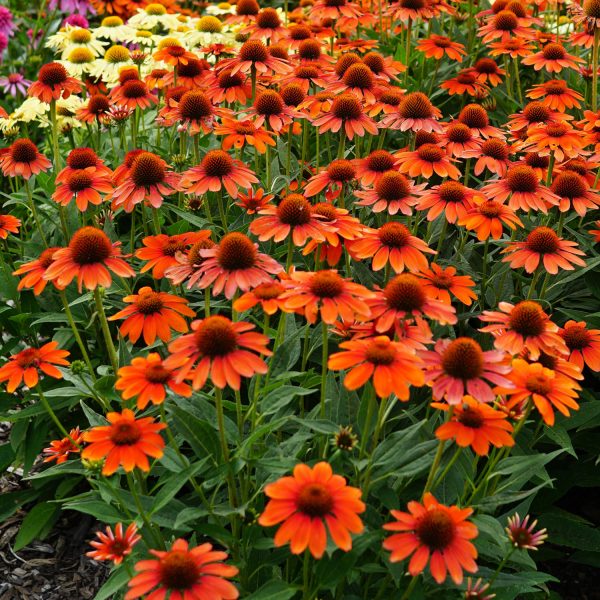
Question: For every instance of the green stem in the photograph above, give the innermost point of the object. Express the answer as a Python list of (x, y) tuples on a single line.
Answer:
[(53, 416), (112, 353), (409, 589), (595, 69), (438, 457), (142, 513), (501, 566), (34, 212), (325, 351)]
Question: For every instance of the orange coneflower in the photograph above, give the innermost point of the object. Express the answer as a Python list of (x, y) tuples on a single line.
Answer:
[(488, 71), (222, 349), (305, 502), (391, 243), (254, 201), (553, 57), (94, 110), (435, 533), (148, 379), (226, 86), (441, 282), (523, 188), (392, 366), (187, 264), (487, 218), (235, 264), (426, 160), (467, 81), (293, 216), (414, 10), (158, 79), (25, 366), (133, 94), (405, 295), (458, 367), (513, 47), (326, 293), (89, 256), (22, 158), (125, 442), (270, 109), (255, 56), (316, 105), (346, 111), (239, 133), (477, 425), (266, 26), (544, 246), (384, 67), (556, 95), (53, 83), (477, 119), (415, 113), (114, 546), (8, 224), (217, 170), (523, 325), (459, 141), (85, 186), (59, 450), (559, 139), (183, 572), (388, 100), (370, 169), (504, 26), (583, 344), (35, 270), (435, 46), (451, 198), (494, 156), (194, 112), (174, 54), (153, 314), (359, 80), (147, 179), (267, 294), (546, 388), (191, 75), (338, 173), (82, 158), (160, 250), (392, 193)]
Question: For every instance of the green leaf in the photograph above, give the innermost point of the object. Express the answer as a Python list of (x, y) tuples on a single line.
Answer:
[(198, 434), (274, 590), (98, 509), (174, 483), (35, 522), (7, 455), (279, 398), (117, 581)]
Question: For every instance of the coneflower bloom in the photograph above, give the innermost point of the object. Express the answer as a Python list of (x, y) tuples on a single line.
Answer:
[(513, 47), (82, 158), (436, 46), (217, 170), (338, 173), (415, 113), (436, 533), (22, 158), (266, 26), (227, 87), (476, 425), (125, 441), (148, 179), (187, 264), (543, 245), (467, 81), (8, 224), (393, 193), (404, 296), (235, 264), (53, 83), (488, 217), (459, 367), (83, 185), (523, 325), (425, 161), (459, 141), (391, 243), (488, 71), (94, 110), (546, 388), (523, 189), (359, 80), (388, 101), (267, 294), (191, 75), (477, 119), (582, 343), (59, 450), (239, 133), (270, 109), (440, 282), (477, 590), (153, 314), (307, 501), (89, 257), (254, 201), (160, 250), (494, 156), (27, 365), (194, 111), (556, 95), (133, 94), (451, 198), (174, 54), (294, 216), (147, 379), (504, 26), (553, 58), (114, 546), (521, 533), (392, 367), (370, 169), (183, 572), (559, 139), (35, 270), (328, 294), (254, 55), (414, 10), (346, 111), (221, 349)]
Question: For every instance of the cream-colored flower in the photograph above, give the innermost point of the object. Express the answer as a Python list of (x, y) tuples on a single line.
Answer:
[(113, 29), (78, 61), (30, 110), (108, 67), (152, 16), (223, 8)]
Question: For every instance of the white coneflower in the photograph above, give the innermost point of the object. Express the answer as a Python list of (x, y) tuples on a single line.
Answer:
[(113, 29)]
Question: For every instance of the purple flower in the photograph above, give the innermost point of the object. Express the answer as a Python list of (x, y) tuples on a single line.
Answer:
[(14, 84), (81, 7), (6, 22), (76, 21), (3, 44)]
